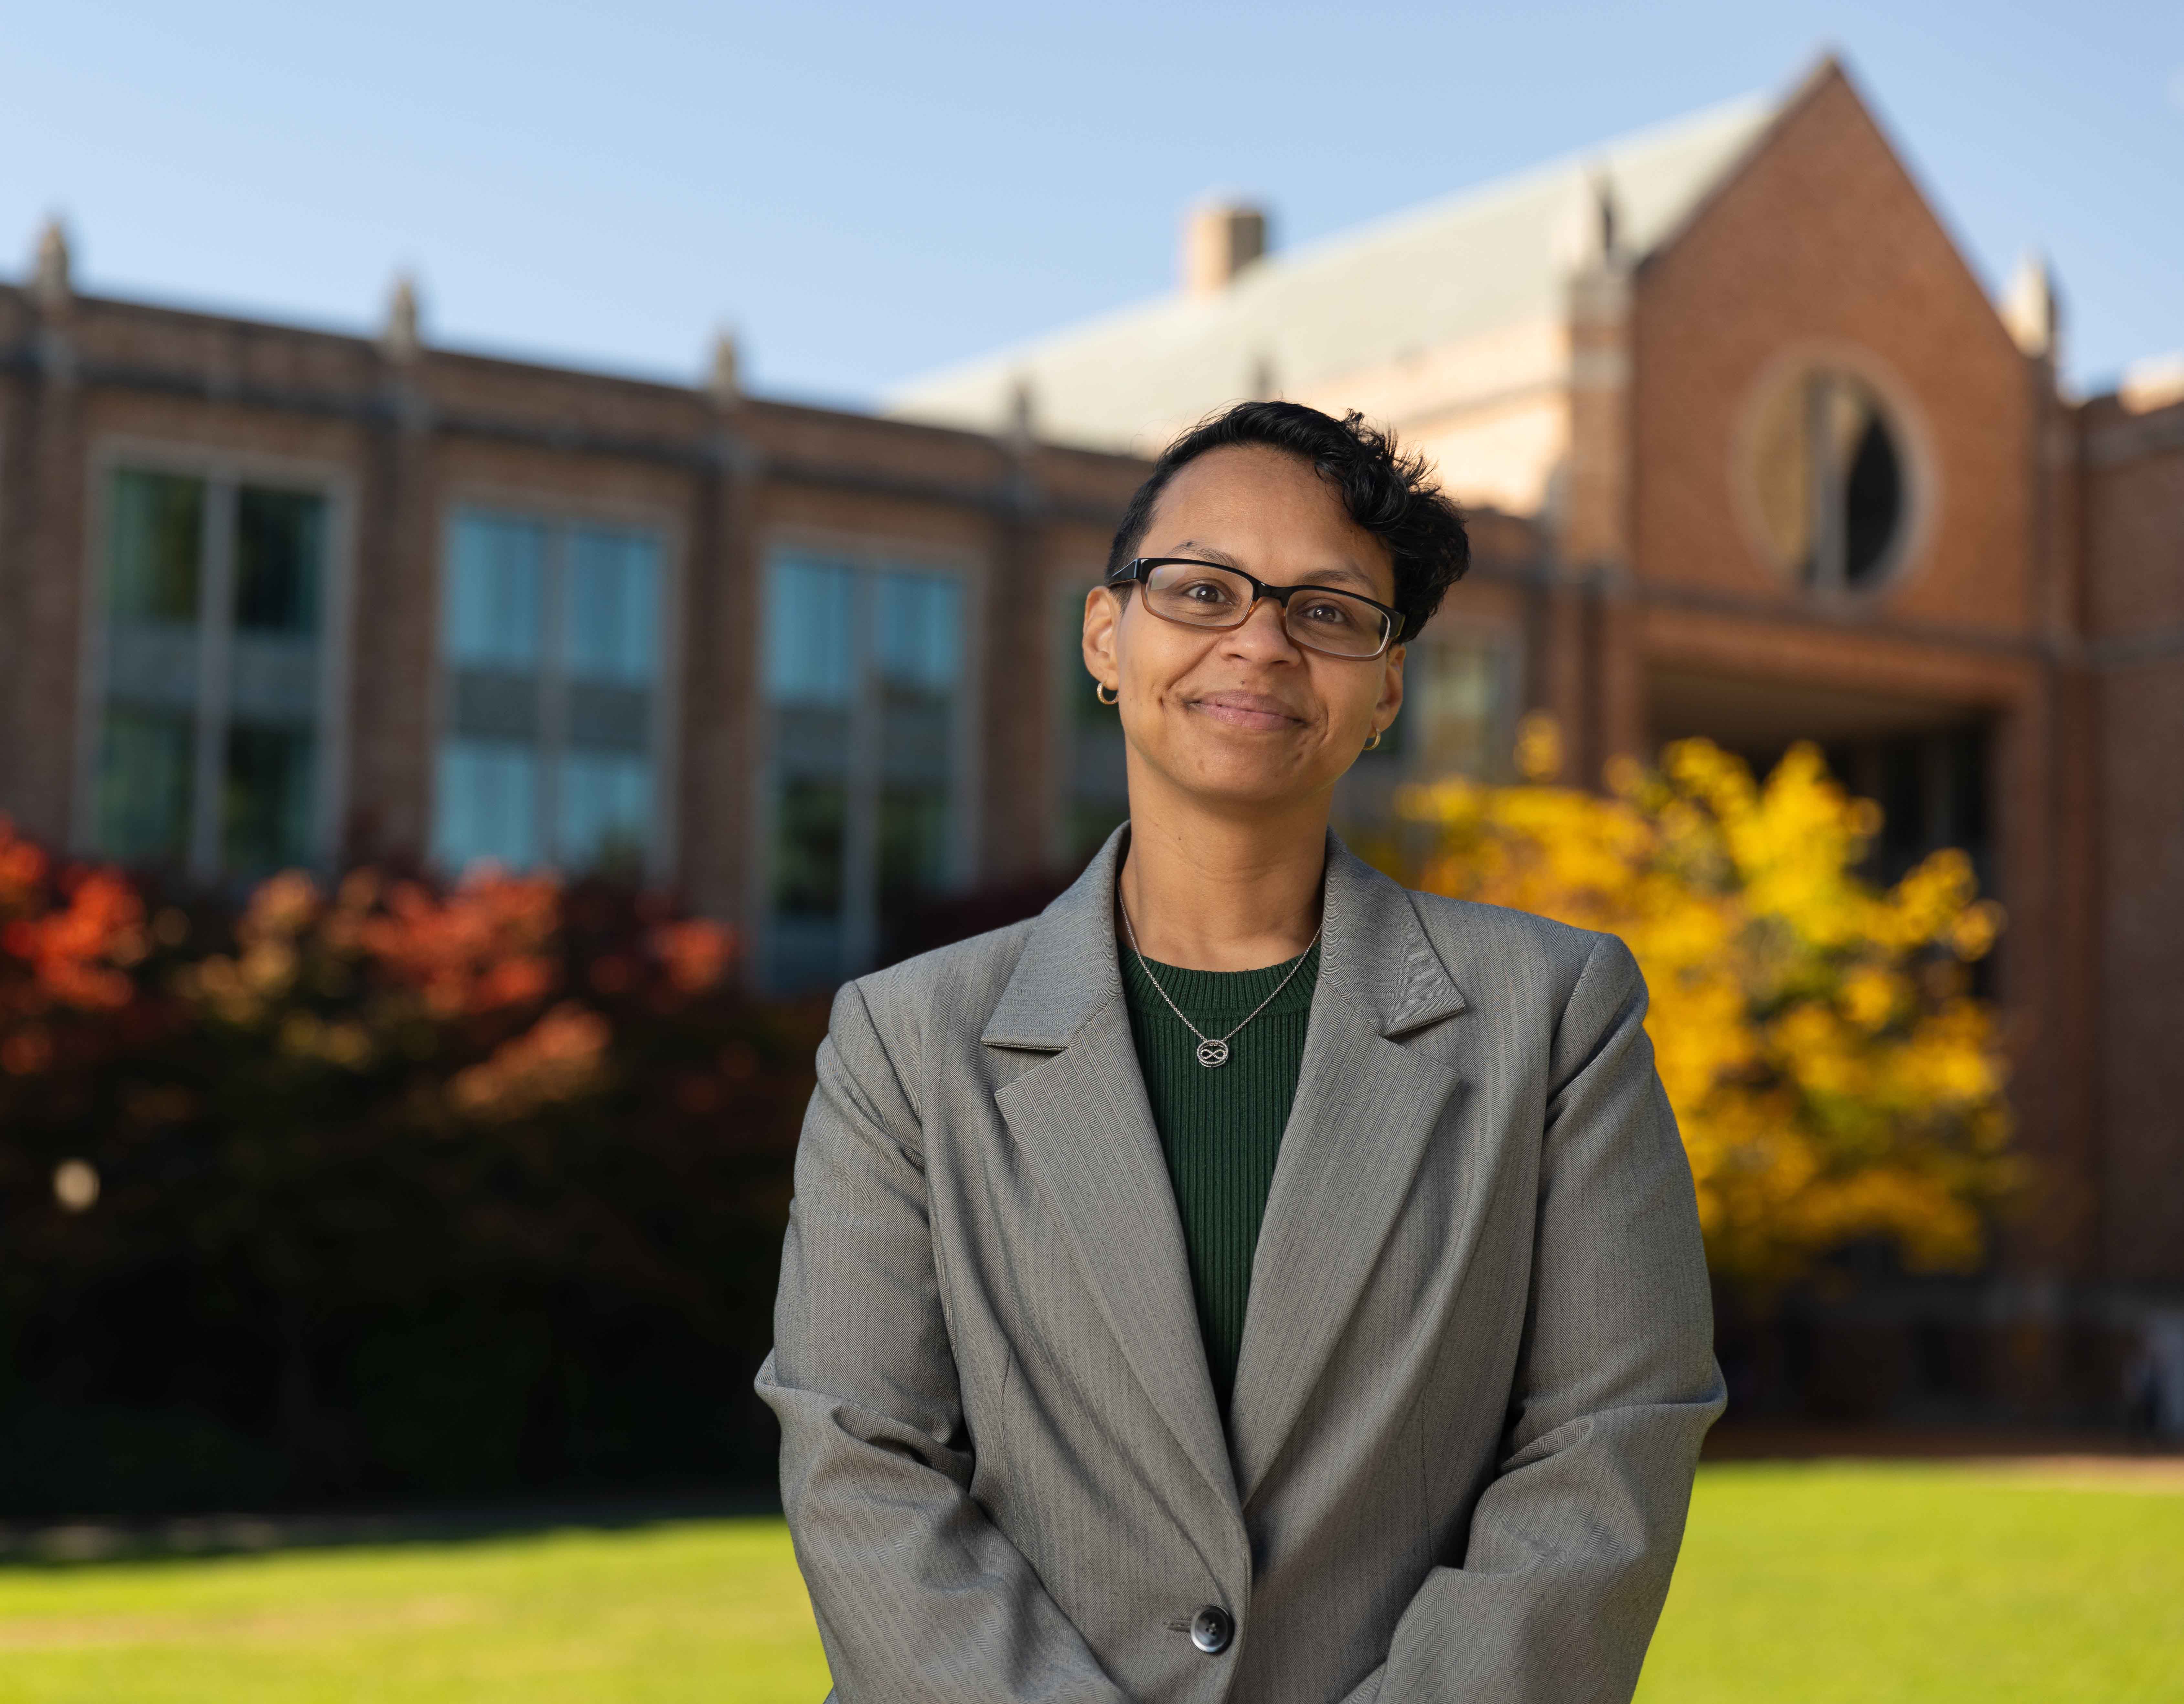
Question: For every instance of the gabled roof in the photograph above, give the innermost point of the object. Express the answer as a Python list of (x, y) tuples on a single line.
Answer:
[(1454, 269)]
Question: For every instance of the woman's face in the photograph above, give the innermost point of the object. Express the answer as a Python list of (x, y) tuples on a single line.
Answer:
[(1245, 717)]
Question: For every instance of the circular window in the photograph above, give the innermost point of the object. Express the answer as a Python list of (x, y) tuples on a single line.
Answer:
[(1829, 481)]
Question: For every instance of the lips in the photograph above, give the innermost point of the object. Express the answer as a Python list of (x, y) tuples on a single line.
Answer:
[(1255, 711)]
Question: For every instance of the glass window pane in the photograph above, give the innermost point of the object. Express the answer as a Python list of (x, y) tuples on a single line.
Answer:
[(269, 779), (146, 767), (863, 667), (810, 827), (1873, 502), (266, 806), (916, 629), (913, 853), (614, 718), (1457, 710), (917, 738), (147, 748), (811, 654), (153, 665), (279, 552), (1098, 793), (493, 704), (487, 805), (606, 812), (614, 606), (494, 605), (155, 539), (916, 648), (494, 601), (274, 678), (806, 929)]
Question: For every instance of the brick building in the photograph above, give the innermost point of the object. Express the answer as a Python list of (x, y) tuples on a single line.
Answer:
[(271, 595), (1752, 453), (1788, 473)]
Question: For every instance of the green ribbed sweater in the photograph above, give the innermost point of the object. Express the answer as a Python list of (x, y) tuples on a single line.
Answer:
[(1220, 1129)]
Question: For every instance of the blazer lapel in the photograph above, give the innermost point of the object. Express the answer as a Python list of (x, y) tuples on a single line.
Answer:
[(1365, 1106), (1083, 1119)]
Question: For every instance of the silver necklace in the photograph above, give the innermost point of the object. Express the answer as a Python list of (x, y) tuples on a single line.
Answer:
[(1212, 1049)]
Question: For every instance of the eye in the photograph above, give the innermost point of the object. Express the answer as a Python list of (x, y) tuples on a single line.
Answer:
[(1332, 612), (1205, 590)]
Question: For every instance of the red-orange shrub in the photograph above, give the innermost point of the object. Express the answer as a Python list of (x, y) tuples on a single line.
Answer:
[(399, 1185)]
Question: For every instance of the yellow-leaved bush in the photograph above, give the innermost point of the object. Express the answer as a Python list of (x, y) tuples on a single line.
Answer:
[(1834, 1076)]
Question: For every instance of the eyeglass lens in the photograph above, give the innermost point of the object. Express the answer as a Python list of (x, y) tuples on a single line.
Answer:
[(1201, 595)]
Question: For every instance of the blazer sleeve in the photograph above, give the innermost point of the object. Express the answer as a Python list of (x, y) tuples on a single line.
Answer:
[(1573, 1542), (917, 1595)]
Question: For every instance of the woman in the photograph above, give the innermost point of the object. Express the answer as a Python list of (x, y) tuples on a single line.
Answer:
[(1249, 1278)]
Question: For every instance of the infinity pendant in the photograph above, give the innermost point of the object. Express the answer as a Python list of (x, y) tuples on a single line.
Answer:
[(1212, 1051)]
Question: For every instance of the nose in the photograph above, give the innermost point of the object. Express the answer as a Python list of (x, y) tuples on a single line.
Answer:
[(1263, 632)]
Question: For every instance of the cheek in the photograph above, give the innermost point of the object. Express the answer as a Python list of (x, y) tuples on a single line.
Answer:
[(1352, 697), (1154, 656)]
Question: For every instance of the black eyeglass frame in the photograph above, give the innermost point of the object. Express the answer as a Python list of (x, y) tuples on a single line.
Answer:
[(1138, 572)]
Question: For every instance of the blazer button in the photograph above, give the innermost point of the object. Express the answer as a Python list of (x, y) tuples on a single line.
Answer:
[(1211, 1629)]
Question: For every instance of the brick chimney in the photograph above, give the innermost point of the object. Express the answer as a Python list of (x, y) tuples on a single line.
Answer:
[(399, 339), (1220, 239), (2031, 307), (51, 282), (726, 382)]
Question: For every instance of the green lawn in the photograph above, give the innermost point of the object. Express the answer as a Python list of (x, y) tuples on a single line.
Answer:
[(1799, 1585), (1880, 1583), (710, 1611)]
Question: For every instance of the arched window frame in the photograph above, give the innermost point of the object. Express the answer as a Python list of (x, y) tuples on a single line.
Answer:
[(1799, 364)]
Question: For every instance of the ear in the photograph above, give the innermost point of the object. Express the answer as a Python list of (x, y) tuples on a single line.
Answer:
[(1103, 617), (1391, 686)]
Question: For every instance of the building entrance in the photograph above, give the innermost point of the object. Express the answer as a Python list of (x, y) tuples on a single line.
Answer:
[(1925, 762)]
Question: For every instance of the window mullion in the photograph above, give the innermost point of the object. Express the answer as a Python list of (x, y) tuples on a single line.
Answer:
[(860, 829), (215, 648), (553, 694)]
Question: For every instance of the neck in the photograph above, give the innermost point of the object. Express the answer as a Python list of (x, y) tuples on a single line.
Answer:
[(1212, 892)]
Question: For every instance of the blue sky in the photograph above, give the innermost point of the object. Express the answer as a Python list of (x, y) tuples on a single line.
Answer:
[(865, 191)]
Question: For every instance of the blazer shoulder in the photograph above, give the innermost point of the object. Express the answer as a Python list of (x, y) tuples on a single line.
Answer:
[(1472, 936), (919, 1003)]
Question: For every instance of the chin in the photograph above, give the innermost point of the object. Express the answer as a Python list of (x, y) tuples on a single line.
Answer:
[(1264, 777)]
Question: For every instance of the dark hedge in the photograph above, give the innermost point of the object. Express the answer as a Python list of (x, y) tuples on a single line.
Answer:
[(400, 1192)]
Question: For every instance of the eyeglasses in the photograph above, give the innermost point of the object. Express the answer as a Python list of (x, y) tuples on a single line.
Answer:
[(1208, 594)]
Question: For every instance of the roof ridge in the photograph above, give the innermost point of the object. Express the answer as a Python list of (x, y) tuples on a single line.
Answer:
[(1542, 174), (1289, 266)]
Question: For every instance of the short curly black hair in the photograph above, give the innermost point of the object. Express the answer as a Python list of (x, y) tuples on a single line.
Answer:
[(1388, 492)]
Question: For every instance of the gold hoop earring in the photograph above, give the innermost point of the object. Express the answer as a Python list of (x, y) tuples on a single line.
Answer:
[(1375, 741), (1099, 691)]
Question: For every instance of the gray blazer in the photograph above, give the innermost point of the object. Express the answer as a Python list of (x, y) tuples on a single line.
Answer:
[(1476, 1365)]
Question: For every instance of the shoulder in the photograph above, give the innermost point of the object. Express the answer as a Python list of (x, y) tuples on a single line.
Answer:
[(1486, 947), (1479, 928), (911, 1005)]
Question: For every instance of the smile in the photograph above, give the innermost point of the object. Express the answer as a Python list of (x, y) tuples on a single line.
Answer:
[(1250, 710)]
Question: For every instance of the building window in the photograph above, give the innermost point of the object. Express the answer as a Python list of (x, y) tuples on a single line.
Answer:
[(1461, 705), (211, 742), (550, 639), (1460, 697), (1095, 788), (1829, 480), (868, 798)]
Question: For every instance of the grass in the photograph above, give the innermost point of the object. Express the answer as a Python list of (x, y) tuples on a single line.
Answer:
[(709, 1610), (1805, 1585), (1885, 1582)]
